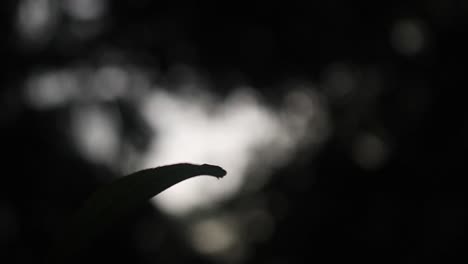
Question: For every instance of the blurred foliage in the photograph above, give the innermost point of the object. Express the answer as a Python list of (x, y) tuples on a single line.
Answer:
[(386, 184)]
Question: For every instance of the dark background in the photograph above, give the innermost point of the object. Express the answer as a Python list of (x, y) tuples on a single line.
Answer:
[(411, 208)]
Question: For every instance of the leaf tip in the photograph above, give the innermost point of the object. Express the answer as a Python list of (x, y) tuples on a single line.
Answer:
[(214, 170)]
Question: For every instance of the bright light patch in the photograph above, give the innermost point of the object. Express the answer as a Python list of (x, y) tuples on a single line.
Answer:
[(104, 84), (95, 132), (51, 89), (214, 236), (234, 134), (110, 82), (240, 133), (85, 9), (35, 18)]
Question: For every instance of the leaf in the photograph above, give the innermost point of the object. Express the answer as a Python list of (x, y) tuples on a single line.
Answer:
[(113, 201)]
